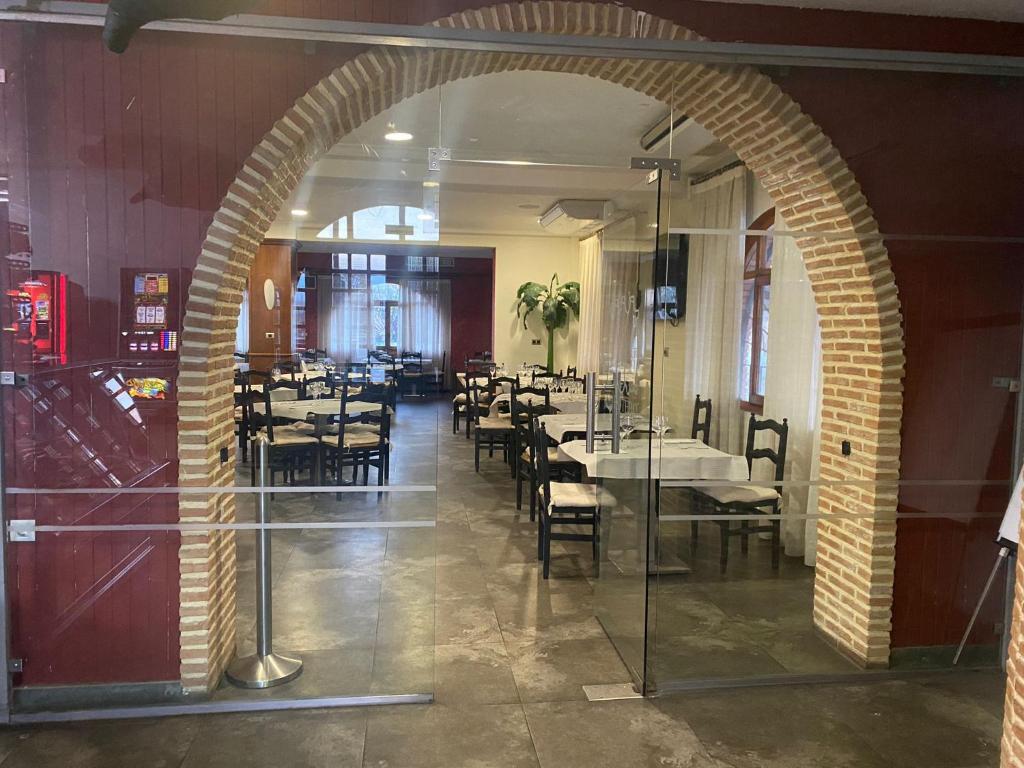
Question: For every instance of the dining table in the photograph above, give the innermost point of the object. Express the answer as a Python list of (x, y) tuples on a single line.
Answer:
[(667, 459), (565, 402), (660, 460), (297, 410), (560, 425)]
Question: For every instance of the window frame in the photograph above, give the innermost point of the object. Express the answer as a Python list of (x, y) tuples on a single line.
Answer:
[(759, 277)]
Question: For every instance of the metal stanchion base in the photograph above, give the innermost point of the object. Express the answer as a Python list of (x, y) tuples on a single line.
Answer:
[(263, 671)]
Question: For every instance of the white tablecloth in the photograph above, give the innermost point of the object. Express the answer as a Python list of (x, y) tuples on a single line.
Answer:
[(558, 425), (669, 461), (563, 401)]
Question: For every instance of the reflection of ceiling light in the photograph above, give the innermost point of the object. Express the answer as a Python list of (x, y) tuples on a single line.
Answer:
[(299, 212), (529, 207), (431, 184), (425, 216), (394, 134)]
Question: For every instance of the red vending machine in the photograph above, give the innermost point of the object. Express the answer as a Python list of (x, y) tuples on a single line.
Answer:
[(38, 312)]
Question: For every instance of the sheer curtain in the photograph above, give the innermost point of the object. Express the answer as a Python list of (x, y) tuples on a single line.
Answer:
[(343, 321), (427, 318), (242, 329), (793, 389), (714, 297), (588, 347), (621, 341)]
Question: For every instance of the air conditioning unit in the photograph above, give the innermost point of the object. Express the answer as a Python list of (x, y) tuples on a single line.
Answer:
[(573, 217)]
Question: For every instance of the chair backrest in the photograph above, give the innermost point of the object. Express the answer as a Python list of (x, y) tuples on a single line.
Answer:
[(476, 376), (571, 372), (311, 384), (474, 389), (777, 455), (286, 389), (257, 420), (540, 463), (496, 384), (288, 366), (531, 396), (701, 423), (254, 377), (543, 376)]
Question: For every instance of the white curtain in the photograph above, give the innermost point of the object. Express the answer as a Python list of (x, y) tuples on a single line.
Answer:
[(242, 329), (427, 318), (622, 325), (588, 347), (714, 296), (343, 321), (793, 389)]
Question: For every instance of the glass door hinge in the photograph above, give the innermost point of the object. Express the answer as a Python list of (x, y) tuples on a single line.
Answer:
[(20, 531)]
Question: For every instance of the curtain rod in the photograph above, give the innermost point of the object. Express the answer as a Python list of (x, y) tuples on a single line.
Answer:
[(712, 174)]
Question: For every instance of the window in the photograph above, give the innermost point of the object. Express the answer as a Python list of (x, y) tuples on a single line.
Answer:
[(757, 298)]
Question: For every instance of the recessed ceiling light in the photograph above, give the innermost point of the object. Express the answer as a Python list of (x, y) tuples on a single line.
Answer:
[(425, 216), (394, 134), (474, 139), (431, 184), (299, 212)]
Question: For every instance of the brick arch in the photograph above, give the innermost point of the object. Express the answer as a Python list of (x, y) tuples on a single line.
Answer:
[(862, 347)]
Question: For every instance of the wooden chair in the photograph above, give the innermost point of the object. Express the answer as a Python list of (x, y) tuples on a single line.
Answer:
[(363, 440), (284, 389), (491, 430), (545, 378), (496, 386), (289, 367), (749, 501), (571, 372), (561, 504), (701, 423), (311, 388), (290, 451), (460, 403), (528, 404)]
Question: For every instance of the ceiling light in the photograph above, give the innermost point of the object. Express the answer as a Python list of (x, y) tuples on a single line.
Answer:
[(394, 134), (299, 212), (431, 184), (425, 216)]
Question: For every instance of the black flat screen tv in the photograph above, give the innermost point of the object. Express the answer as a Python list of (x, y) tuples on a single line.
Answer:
[(673, 266)]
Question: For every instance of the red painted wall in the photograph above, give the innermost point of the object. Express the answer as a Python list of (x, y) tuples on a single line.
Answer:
[(118, 161)]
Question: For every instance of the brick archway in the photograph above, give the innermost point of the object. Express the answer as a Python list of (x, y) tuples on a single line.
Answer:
[(862, 347)]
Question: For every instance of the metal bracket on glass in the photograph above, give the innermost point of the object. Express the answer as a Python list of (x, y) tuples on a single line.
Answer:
[(592, 389), (436, 156), (12, 379), (21, 531), (674, 168)]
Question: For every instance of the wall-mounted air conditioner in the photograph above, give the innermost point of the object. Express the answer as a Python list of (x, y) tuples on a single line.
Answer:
[(573, 217)]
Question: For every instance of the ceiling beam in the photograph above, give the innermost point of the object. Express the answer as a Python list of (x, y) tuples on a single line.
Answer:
[(412, 36)]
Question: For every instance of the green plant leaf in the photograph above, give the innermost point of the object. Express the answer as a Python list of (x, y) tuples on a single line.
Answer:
[(555, 313), (570, 294), (528, 297)]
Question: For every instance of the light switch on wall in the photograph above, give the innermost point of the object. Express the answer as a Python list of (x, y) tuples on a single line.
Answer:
[(536, 342), (269, 334)]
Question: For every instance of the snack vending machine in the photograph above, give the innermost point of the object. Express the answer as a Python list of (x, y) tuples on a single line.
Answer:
[(37, 313)]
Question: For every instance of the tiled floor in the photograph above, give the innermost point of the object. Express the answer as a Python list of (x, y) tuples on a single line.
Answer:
[(462, 610)]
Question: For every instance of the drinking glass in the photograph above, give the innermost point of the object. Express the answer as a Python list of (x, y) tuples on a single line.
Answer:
[(660, 426), (627, 424)]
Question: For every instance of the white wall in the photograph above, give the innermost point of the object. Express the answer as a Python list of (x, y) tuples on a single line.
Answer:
[(518, 260)]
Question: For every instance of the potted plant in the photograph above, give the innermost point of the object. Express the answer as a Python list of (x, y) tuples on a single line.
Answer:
[(558, 303)]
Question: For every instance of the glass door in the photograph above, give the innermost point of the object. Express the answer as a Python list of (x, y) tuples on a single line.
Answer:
[(622, 451)]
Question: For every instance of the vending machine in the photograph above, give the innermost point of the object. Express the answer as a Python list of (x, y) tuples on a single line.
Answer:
[(38, 318)]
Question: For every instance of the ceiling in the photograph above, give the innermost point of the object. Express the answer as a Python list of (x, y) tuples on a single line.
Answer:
[(520, 141), (994, 10)]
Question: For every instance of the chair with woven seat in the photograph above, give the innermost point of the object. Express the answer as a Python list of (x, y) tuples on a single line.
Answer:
[(363, 440), (528, 403), (460, 403), (290, 451), (701, 420), (751, 500), (412, 375), (491, 430), (499, 385), (565, 504)]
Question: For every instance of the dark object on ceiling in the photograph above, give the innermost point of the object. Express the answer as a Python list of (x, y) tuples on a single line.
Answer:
[(124, 17)]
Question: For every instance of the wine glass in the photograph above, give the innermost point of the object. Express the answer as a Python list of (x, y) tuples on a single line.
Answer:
[(627, 424), (660, 426)]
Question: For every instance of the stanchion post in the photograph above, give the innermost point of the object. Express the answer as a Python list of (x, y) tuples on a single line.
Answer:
[(265, 668), (591, 385)]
